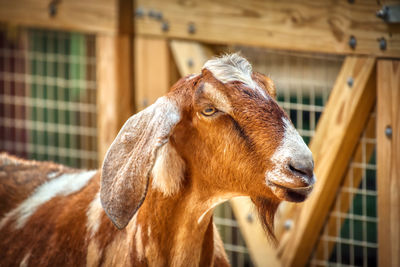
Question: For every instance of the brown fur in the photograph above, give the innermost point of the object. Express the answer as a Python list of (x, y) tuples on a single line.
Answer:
[(60, 237), (225, 155)]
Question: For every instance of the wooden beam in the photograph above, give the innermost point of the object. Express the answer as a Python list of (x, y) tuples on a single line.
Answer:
[(388, 150), (262, 252), (99, 16), (337, 133), (302, 25), (114, 87), (189, 56), (155, 70)]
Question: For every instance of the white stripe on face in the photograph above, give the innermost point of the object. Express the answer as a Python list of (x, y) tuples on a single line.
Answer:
[(292, 147), (63, 185), (218, 98)]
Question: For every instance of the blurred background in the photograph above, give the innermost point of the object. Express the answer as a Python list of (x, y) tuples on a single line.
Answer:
[(71, 73)]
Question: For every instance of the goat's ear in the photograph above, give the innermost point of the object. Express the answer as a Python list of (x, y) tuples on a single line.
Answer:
[(130, 158), (266, 82)]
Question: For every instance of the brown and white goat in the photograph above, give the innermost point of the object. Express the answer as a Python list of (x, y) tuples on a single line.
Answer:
[(214, 136)]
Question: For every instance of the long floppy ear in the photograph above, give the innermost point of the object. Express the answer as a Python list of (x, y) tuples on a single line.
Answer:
[(130, 158), (266, 82)]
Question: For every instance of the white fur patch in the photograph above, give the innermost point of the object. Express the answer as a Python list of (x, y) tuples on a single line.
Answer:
[(191, 76), (219, 99), (64, 185), (25, 260), (231, 68), (292, 147), (168, 170), (139, 243), (213, 203), (94, 215), (148, 231)]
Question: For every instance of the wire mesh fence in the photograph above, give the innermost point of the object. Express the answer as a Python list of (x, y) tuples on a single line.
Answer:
[(48, 96), (349, 237), (303, 83), (48, 112)]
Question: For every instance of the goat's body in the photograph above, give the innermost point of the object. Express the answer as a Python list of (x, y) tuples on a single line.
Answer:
[(71, 228), (212, 137)]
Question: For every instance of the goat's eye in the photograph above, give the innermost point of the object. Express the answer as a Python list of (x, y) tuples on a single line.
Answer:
[(209, 111)]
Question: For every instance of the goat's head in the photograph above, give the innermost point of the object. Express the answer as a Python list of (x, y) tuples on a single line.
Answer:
[(223, 128)]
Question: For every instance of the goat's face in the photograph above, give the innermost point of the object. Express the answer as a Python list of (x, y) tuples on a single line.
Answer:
[(236, 137), (222, 127)]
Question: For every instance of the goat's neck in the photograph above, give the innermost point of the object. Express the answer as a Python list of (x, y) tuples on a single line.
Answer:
[(178, 228)]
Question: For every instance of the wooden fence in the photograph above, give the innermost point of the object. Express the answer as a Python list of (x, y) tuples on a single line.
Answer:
[(137, 41)]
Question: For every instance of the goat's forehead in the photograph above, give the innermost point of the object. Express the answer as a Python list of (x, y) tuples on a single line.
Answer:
[(233, 68)]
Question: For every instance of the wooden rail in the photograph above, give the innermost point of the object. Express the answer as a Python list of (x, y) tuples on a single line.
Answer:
[(304, 25), (97, 16)]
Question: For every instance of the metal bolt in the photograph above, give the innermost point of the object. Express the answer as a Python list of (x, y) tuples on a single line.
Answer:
[(350, 81), (190, 62), (249, 218), (158, 16), (352, 42), (383, 13), (53, 7), (382, 43), (191, 28), (152, 13), (164, 26), (288, 224), (139, 12), (388, 131)]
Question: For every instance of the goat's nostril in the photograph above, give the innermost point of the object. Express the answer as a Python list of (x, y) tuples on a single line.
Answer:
[(301, 170)]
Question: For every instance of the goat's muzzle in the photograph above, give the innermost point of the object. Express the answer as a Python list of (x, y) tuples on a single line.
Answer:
[(296, 181)]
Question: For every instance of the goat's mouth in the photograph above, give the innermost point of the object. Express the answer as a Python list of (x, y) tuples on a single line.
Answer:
[(289, 192)]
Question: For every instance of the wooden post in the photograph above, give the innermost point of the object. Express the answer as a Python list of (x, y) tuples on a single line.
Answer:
[(155, 70), (336, 137), (114, 79), (388, 151)]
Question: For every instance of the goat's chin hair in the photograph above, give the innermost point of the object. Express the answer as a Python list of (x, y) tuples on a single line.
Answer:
[(266, 209)]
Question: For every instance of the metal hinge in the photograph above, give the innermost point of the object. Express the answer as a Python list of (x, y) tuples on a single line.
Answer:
[(390, 14)]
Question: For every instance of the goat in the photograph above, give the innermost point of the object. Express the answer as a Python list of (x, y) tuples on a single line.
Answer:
[(215, 135)]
